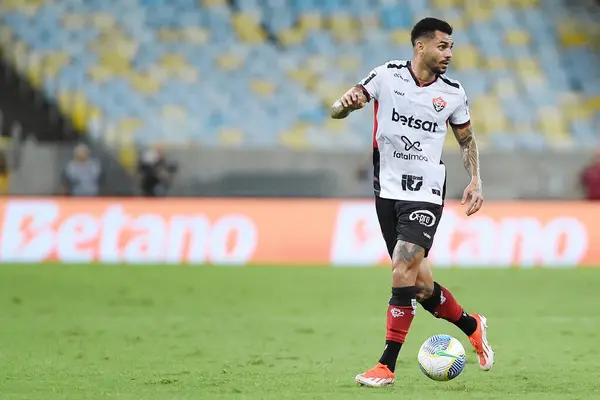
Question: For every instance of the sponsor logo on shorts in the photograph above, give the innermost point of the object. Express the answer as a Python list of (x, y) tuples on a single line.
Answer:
[(423, 217)]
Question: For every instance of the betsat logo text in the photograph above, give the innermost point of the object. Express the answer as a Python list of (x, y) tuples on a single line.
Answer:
[(414, 123)]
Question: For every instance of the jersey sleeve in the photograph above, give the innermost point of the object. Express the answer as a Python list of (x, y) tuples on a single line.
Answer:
[(371, 85), (461, 117)]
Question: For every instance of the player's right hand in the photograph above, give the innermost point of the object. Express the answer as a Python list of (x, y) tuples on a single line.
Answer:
[(353, 99)]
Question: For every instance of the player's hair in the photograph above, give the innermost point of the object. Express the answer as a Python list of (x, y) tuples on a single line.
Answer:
[(427, 27)]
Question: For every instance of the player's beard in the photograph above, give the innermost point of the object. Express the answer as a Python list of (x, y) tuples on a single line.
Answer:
[(437, 68), (434, 65)]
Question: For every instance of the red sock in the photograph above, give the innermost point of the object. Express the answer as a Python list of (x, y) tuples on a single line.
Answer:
[(448, 309), (399, 319), (443, 305), (400, 313)]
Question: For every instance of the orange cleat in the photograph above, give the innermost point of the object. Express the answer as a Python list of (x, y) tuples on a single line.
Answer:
[(378, 376), (479, 340)]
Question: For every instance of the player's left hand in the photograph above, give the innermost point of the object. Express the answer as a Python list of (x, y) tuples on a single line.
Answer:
[(474, 197)]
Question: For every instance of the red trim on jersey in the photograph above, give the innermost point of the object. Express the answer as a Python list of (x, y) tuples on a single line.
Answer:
[(375, 124), (365, 92)]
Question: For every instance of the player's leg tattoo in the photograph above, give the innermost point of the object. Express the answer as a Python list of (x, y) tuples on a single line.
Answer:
[(405, 263), (424, 291), (424, 284), (407, 252)]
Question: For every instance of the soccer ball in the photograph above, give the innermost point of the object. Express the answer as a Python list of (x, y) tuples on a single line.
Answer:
[(442, 357)]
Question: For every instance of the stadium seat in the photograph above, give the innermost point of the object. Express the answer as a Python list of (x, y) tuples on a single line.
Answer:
[(247, 28), (553, 124), (125, 70), (231, 137), (465, 57), (296, 137), (348, 63), (399, 36), (517, 37), (310, 21), (213, 3)]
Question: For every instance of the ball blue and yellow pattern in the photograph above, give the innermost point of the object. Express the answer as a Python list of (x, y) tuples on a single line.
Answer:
[(442, 357)]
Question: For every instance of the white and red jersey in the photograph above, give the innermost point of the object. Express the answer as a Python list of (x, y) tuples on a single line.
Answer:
[(411, 122)]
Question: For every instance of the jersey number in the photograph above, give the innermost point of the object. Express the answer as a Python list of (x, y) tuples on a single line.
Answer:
[(412, 183)]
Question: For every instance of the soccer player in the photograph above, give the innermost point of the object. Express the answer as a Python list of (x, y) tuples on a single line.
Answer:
[(413, 103)]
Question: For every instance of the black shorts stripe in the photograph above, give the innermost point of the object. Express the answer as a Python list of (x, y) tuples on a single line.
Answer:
[(376, 183)]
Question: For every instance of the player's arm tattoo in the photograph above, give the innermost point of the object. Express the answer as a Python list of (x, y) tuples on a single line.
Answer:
[(338, 111), (469, 150)]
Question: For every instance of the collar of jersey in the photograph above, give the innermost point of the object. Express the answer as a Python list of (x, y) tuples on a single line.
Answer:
[(419, 84)]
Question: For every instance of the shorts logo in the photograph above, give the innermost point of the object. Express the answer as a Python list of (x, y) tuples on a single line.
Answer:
[(423, 217), (438, 104)]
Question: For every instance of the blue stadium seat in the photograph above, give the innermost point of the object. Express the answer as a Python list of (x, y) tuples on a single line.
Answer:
[(225, 65)]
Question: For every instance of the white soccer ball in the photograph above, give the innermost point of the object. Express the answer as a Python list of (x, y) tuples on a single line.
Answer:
[(442, 357)]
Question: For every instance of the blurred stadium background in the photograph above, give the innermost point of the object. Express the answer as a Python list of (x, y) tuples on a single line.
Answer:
[(239, 90)]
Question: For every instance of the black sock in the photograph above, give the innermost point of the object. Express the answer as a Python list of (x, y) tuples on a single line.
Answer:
[(466, 323), (390, 354)]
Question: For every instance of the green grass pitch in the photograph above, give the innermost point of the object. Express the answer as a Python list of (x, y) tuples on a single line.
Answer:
[(166, 333)]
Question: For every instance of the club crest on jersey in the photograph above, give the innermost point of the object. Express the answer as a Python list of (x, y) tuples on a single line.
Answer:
[(438, 104)]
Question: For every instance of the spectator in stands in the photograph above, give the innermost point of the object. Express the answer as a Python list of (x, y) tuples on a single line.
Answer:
[(82, 176), (4, 174), (590, 178), (155, 172)]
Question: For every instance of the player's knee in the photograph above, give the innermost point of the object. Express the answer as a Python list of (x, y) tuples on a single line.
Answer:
[(407, 257)]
